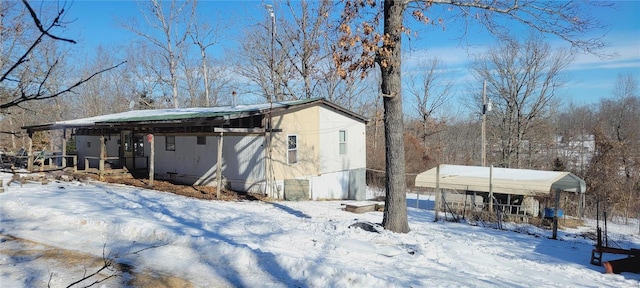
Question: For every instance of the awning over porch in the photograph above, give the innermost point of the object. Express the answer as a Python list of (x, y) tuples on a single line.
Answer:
[(502, 180)]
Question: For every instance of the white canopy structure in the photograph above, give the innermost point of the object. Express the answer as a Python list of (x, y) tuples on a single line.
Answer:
[(500, 180)]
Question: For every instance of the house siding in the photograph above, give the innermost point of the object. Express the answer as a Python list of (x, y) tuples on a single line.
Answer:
[(304, 124), (345, 171), (93, 150), (242, 161), (330, 175)]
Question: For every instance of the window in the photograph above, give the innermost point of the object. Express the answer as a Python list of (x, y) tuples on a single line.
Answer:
[(138, 146), (128, 147), (292, 149), (170, 143), (343, 142), (202, 140)]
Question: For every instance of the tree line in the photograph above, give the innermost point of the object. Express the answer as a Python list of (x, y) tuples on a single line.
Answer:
[(348, 52)]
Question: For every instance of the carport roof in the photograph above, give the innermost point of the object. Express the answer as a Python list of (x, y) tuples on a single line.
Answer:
[(503, 180)]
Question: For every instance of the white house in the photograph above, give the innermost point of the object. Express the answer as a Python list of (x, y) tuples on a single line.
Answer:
[(304, 149)]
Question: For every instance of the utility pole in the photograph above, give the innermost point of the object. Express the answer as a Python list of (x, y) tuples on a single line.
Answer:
[(272, 14), (269, 163), (486, 107)]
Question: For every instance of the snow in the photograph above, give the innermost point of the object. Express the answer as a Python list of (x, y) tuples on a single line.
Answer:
[(282, 244), (136, 114), (498, 173)]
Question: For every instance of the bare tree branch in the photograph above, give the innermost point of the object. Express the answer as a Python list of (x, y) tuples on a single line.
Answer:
[(43, 32), (25, 96), (568, 20), (26, 87), (54, 23)]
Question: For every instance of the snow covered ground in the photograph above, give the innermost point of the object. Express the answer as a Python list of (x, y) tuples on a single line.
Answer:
[(279, 244)]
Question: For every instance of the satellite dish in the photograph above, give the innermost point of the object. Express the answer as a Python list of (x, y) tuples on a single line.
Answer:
[(132, 104)]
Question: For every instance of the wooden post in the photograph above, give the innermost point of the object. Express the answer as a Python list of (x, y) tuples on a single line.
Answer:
[(491, 188), (437, 202), (152, 157), (555, 215), (103, 152), (64, 149), (30, 153), (219, 168), (581, 205)]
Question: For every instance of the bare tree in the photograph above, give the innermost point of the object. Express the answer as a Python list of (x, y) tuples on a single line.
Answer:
[(191, 80), (34, 72), (111, 92), (616, 167), (263, 64), (566, 20), (173, 23), (430, 89), (306, 39), (22, 81), (522, 79), (147, 73), (205, 36), (457, 143), (574, 128), (284, 57)]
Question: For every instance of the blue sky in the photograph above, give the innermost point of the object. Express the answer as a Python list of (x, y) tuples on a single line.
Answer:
[(591, 78)]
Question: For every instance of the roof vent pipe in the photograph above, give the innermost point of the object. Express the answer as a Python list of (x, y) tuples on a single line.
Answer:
[(234, 96)]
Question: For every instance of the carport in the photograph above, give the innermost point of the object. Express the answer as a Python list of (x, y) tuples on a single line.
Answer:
[(507, 181)]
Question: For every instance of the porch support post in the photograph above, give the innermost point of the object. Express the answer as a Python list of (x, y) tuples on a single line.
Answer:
[(219, 168), (555, 215), (103, 153), (64, 148), (491, 188), (30, 152), (152, 156), (437, 202), (580, 203)]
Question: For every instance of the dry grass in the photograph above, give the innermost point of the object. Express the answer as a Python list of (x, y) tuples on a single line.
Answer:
[(26, 251), (569, 222), (148, 278), (200, 192)]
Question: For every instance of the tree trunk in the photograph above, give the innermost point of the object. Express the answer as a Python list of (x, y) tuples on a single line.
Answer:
[(395, 209), (174, 80), (203, 53)]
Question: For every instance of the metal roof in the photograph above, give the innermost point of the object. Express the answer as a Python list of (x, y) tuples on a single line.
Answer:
[(503, 180), (177, 115)]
